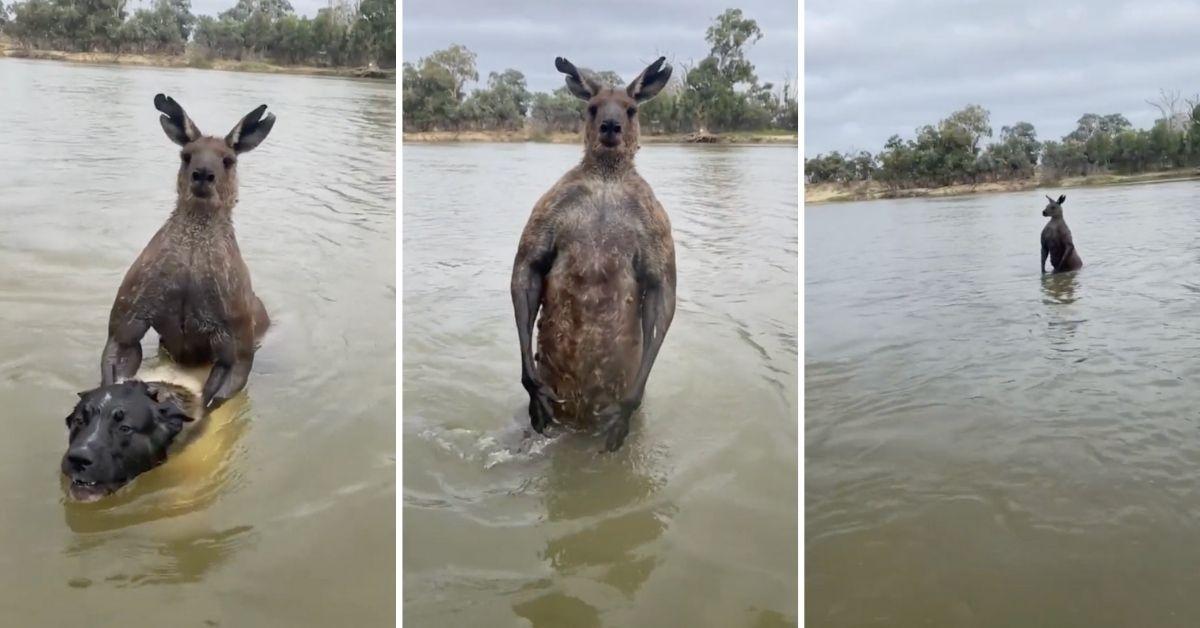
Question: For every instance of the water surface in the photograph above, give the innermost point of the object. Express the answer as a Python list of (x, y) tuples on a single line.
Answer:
[(693, 521), (284, 515), (987, 446)]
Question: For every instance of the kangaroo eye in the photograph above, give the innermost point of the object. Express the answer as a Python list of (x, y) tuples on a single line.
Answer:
[(118, 415), (592, 111), (632, 111), (125, 429), (229, 162), (186, 157)]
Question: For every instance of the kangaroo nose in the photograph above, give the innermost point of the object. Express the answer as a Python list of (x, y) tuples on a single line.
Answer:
[(80, 459), (610, 127), (203, 175)]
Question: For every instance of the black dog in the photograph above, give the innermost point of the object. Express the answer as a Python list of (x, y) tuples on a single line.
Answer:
[(120, 431)]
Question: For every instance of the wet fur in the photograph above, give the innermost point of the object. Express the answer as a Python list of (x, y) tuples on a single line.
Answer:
[(1057, 243), (173, 398), (596, 246), (190, 283)]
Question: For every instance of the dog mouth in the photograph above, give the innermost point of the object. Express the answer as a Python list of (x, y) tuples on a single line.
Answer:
[(85, 491)]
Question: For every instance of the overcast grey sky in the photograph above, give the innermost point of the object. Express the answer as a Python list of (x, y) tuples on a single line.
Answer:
[(880, 67), (619, 35)]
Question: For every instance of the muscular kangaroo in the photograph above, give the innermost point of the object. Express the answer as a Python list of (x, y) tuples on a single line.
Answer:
[(190, 283), (596, 257), (1056, 240)]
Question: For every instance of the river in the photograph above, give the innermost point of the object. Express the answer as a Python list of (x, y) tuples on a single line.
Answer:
[(694, 521), (988, 446), (286, 515)]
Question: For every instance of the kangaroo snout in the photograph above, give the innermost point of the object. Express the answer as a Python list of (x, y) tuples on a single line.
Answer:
[(203, 175), (610, 132), (203, 181)]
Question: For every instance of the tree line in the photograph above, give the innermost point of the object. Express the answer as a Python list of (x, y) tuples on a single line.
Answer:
[(952, 151), (346, 33), (721, 93)]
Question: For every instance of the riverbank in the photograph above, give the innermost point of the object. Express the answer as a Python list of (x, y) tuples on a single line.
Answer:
[(189, 61), (872, 190), (766, 137)]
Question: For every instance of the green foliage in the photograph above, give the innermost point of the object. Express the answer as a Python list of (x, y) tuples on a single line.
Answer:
[(948, 153), (460, 63), (502, 105), (721, 93), (341, 35), (557, 111)]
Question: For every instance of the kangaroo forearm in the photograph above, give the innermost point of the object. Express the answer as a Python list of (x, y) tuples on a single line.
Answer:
[(527, 297), (658, 309)]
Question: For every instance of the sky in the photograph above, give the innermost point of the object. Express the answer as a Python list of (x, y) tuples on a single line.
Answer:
[(874, 68), (619, 35)]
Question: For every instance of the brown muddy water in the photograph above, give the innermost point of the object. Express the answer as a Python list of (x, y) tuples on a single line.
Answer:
[(986, 446), (284, 515), (694, 521)]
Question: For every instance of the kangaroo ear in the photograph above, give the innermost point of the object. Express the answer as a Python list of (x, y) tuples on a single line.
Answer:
[(1049, 199), (175, 121), (251, 130), (650, 81), (580, 84), (1061, 199)]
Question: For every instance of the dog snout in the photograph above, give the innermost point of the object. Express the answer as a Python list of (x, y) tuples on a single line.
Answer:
[(79, 459)]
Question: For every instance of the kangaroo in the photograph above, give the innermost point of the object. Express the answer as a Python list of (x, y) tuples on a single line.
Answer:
[(190, 283), (597, 258), (1056, 240)]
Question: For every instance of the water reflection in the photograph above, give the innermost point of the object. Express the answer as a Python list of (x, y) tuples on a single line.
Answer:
[(182, 558), (609, 507), (1059, 287)]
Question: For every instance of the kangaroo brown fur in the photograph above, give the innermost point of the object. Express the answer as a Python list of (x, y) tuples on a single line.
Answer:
[(1056, 240), (597, 259), (190, 283)]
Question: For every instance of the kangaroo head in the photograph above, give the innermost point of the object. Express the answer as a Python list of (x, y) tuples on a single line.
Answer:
[(611, 125), (208, 165), (1054, 208)]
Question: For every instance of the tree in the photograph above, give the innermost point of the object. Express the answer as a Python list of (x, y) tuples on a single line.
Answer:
[(459, 62), (728, 37)]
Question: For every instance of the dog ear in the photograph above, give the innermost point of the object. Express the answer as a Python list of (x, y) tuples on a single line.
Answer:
[(153, 390), (171, 416)]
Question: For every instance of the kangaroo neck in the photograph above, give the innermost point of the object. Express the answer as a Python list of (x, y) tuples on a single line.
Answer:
[(607, 165), (195, 215)]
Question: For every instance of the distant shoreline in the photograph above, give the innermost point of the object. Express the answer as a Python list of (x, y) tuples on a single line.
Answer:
[(184, 61), (740, 139), (873, 190)]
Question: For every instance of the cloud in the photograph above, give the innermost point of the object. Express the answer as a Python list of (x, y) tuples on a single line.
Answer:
[(881, 68)]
